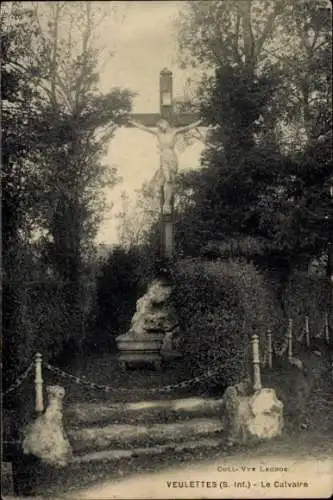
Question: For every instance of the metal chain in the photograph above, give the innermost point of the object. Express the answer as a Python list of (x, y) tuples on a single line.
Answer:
[(321, 332), (185, 383), (106, 388), (78, 380), (19, 380), (282, 350), (301, 336)]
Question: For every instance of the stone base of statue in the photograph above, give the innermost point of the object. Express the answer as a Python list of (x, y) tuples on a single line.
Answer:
[(250, 417), (45, 437), (133, 350), (154, 330)]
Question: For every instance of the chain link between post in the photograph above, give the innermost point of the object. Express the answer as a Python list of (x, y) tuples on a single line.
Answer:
[(280, 351), (20, 379), (301, 336), (167, 388)]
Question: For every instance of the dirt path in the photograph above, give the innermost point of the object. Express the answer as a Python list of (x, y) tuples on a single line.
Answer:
[(293, 468), (230, 477)]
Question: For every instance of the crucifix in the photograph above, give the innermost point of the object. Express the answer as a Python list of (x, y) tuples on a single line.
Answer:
[(169, 126)]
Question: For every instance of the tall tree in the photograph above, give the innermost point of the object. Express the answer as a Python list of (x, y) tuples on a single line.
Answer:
[(56, 127), (81, 116), (246, 185), (234, 101), (22, 182), (227, 32)]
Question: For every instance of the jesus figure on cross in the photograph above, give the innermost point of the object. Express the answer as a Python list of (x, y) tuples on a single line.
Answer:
[(166, 174)]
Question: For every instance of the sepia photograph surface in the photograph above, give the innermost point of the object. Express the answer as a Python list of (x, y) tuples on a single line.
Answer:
[(167, 249)]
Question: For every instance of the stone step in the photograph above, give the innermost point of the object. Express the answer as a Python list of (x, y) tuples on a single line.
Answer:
[(142, 412), (118, 454), (126, 436)]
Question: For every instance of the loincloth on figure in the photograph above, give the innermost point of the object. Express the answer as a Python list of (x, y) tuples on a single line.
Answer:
[(169, 163), (165, 173)]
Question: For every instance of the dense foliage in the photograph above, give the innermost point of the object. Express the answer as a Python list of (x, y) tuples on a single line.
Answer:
[(121, 279), (55, 128), (262, 192), (260, 179), (221, 305)]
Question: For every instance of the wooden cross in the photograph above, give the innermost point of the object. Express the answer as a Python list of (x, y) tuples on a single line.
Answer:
[(166, 106), (167, 112)]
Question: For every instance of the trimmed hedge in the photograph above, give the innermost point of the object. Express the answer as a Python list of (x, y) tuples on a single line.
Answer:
[(220, 306)]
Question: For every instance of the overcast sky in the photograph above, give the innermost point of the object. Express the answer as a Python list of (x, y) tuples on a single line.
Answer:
[(144, 42)]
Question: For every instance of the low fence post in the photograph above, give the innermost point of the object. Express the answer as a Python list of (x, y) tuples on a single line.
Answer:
[(269, 349), (39, 403), (290, 339), (307, 331), (256, 363)]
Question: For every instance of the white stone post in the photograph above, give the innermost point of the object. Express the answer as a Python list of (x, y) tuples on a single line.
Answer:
[(327, 331), (269, 349), (39, 403), (307, 331), (290, 339), (256, 363)]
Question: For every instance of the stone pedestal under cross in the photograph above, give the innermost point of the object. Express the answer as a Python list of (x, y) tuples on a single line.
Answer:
[(179, 123)]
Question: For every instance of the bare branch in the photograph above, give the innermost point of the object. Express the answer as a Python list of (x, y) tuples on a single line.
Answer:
[(315, 38), (52, 59), (55, 54), (244, 7), (304, 39), (85, 45), (236, 38), (278, 8)]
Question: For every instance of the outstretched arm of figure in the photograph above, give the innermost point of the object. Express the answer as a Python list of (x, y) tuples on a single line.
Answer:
[(201, 137), (142, 127), (183, 130)]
